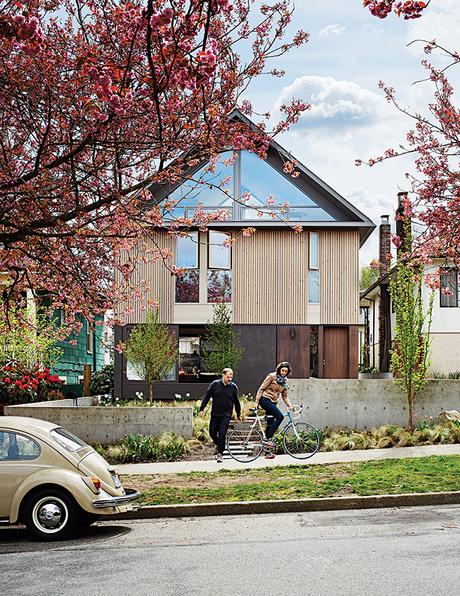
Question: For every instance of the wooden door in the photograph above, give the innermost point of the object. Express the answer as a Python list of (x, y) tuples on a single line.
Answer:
[(335, 353), (293, 345)]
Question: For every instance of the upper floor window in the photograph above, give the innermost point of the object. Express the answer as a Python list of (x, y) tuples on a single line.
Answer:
[(211, 188), (313, 268), (268, 193), (219, 267), (449, 288), (263, 185), (187, 257), (313, 259)]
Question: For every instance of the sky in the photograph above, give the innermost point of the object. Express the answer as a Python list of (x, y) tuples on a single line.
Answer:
[(338, 72)]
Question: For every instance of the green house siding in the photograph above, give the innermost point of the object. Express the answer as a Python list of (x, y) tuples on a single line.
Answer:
[(73, 357)]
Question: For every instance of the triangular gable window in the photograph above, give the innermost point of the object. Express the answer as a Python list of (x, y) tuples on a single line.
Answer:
[(204, 189), (260, 181)]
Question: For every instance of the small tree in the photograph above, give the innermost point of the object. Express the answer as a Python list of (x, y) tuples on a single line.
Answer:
[(151, 350), (225, 350), (410, 357)]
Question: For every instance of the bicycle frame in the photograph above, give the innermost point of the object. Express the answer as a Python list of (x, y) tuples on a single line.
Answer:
[(258, 419)]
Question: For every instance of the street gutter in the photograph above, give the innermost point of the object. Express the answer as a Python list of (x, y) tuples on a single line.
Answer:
[(257, 507)]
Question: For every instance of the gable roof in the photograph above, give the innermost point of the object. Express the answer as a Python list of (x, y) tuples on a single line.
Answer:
[(345, 214)]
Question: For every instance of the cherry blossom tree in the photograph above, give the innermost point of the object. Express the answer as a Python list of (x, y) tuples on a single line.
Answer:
[(98, 100), (407, 10)]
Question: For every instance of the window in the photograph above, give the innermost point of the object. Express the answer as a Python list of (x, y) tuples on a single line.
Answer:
[(210, 187), (261, 181), (189, 359), (449, 288), (219, 268), (17, 447), (187, 257), (89, 337), (313, 287), (313, 260), (67, 440), (313, 268)]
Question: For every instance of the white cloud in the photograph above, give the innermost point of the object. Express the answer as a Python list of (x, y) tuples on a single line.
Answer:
[(331, 29), (335, 103), (349, 122)]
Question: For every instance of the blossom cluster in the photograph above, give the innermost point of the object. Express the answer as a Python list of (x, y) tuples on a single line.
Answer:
[(20, 385), (408, 9)]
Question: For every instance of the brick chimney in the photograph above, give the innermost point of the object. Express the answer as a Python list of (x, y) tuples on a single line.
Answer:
[(384, 245), (405, 245)]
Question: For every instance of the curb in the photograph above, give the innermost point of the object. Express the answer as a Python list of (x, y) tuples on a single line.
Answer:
[(257, 507)]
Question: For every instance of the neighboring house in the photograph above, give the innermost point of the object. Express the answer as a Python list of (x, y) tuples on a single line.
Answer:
[(90, 348), (378, 319), (293, 296)]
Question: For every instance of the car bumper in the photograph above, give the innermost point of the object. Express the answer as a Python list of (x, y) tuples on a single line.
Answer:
[(127, 502)]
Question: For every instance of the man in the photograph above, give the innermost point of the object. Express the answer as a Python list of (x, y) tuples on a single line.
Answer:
[(224, 395)]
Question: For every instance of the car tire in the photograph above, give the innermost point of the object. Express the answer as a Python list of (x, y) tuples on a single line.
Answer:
[(51, 514)]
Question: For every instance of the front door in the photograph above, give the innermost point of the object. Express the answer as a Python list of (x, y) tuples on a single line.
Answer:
[(335, 353), (293, 345)]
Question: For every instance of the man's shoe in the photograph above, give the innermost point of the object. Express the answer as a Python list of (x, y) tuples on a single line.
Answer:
[(269, 456), (219, 458)]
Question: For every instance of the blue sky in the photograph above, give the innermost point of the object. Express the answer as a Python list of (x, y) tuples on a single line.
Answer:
[(338, 72)]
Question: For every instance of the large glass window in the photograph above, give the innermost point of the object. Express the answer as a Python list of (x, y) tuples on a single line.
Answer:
[(313, 287), (449, 288), (262, 182), (219, 268), (187, 257), (187, 251), (211, 187)]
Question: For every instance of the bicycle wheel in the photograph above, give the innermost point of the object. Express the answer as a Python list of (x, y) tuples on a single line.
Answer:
[(245, 444), (301, 440)]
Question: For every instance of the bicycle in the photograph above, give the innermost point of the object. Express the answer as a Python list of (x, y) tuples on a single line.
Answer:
[(299, 439)]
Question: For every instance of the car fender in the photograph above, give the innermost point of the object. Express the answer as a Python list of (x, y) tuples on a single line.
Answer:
[(66, 479)]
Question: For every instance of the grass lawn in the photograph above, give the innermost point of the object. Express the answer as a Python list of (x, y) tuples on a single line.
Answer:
[(427, 474)]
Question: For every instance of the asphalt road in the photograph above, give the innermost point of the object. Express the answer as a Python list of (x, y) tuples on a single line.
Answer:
[(391, 551)]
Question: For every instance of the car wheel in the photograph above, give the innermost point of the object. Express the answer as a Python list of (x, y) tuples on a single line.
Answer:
[(51, 514)]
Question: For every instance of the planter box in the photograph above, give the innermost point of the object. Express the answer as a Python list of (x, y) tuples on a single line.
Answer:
[(108, 425)]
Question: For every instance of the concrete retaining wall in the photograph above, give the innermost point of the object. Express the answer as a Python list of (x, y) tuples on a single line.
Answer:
[(361, 404), (108, 425)]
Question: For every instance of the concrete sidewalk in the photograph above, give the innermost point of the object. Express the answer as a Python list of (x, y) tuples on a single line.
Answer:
[(330, 457)]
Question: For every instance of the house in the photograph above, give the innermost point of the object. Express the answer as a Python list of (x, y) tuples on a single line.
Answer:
[(378, 318), (293, 296)]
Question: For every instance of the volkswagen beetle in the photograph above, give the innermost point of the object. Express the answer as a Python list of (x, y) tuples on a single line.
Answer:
[(53, 482)]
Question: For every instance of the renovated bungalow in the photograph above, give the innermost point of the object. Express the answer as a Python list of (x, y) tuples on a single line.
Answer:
[(293, 296)]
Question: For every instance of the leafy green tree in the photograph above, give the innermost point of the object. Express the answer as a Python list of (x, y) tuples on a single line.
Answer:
[(28, 336), (224, 350), (410, 357), (152, 350)]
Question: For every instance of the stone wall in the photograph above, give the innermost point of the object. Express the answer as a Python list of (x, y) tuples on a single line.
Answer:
[(365, 403), (108, 425)]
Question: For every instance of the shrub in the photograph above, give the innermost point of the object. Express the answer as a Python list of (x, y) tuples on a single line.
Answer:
[(18, 385), (102, 381)]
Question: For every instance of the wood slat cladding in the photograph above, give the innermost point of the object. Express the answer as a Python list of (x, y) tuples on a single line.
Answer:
[(339, 276), (270, 278), (161, 282)]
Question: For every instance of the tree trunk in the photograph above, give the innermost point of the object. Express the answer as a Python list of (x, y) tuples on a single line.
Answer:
[(151, 393), (410, 400)]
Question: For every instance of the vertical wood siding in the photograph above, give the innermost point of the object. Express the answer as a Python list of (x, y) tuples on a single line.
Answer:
[(161, 282), (270, 278), (339, 276)]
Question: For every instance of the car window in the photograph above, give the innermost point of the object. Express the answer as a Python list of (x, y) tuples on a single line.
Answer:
[(67, 440), (15, 447)]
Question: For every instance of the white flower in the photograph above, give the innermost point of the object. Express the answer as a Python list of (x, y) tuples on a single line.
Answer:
[(178, 396), (187, 395)]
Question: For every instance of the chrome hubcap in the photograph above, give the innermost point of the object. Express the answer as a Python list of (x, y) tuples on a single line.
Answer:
[(50, 516)]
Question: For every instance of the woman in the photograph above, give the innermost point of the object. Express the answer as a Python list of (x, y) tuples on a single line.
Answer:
[(267, 397)]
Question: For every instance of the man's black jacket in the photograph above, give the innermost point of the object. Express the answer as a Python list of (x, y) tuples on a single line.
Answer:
[(224, 397)]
